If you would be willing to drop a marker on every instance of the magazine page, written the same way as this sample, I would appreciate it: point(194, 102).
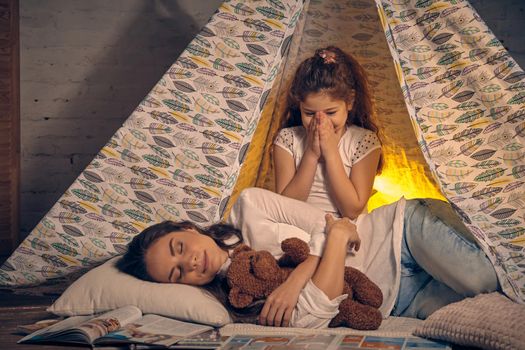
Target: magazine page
point(330, 342)
point(33, 327)
point(56, 329)
point(381, 342)
point(109, 322)
point(296, 342)
point(209, 340)
point(154, 329)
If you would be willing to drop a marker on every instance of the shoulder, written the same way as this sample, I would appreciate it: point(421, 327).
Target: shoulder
point(293, 131)
point(288, 137)
point(358, 135)
point(354, 130)
point(360, 142)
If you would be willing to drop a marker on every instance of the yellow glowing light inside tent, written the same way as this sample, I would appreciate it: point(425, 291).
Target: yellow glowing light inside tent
point(402, 178)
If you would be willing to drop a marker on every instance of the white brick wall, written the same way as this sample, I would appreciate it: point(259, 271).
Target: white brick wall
point(85, 65)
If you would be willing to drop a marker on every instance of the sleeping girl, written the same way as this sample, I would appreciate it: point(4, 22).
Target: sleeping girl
point(418, 261)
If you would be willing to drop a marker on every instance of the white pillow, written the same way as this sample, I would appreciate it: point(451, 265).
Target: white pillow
point(106, 288)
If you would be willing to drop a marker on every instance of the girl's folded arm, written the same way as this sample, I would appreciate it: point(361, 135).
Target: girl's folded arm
point(292, 182)
point(351, 194)
point(258, 202)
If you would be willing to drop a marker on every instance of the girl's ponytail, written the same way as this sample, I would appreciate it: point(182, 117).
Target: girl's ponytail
point(362, 110)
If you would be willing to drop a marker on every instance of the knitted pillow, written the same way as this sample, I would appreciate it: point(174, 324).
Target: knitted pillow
point(487, 321)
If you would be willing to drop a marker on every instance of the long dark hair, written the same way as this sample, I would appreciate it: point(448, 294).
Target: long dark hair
point(133, 261)
point(340, 75)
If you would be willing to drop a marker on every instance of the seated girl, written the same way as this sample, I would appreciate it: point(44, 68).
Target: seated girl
point(329, 152)
point(419, 262)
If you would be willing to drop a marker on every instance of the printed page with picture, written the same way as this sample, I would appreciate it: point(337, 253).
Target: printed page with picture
point(330, 342)
point(154, 329)
point(85, 329)
point(209, 340)
point(123, 325)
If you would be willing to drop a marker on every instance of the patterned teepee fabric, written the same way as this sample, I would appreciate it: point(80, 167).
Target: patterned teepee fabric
point(177, 156)
point(466, 97)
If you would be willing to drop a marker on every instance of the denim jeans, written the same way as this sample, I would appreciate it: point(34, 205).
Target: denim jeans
point(438, 265)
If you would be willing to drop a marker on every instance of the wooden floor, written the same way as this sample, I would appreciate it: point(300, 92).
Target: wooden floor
point(18, 310)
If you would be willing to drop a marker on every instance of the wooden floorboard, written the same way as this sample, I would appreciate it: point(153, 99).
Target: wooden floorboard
point(11, 318)
point(16, 310)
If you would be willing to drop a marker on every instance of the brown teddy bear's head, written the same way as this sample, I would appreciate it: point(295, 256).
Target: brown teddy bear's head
point(252, 275)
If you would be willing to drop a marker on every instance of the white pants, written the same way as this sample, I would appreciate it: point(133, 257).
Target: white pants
point(314, 309)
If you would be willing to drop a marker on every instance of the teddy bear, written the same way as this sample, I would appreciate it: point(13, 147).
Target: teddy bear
point(254, 275)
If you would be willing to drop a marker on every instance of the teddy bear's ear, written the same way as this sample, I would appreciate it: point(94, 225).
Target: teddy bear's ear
point(295, 252)
point(240, 248)
point(239, 299)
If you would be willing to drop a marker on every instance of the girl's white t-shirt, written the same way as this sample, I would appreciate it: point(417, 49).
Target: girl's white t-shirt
point(355, 144)
point(266, 219)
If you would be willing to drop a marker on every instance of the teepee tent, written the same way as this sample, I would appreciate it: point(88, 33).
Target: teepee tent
point(448, 96)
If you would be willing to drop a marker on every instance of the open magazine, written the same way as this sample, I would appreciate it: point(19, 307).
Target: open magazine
point(123, 325)
point(329, 342)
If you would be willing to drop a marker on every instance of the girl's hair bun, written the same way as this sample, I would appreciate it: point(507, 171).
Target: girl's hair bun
point(328, 56)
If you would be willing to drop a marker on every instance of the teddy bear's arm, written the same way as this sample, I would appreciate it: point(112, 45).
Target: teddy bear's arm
point(364, 290)
point(357, 316)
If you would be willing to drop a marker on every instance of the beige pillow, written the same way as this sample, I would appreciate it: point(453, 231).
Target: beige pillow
point(106, 288)
point(487, 321)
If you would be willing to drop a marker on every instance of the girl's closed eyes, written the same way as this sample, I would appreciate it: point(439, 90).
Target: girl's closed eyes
point(176, 272)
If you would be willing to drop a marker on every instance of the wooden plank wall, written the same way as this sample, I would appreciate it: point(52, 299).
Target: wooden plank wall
point(9, 126)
